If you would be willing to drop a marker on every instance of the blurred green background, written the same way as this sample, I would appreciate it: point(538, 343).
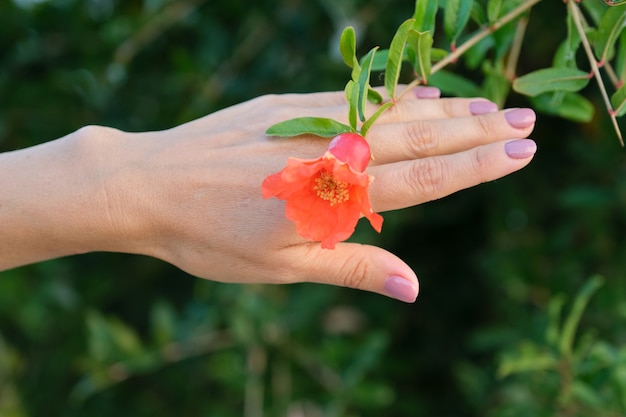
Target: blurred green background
point(110, 334)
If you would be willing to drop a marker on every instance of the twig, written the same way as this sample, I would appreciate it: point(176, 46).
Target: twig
point(473, 40)
point(516, 49)
point(594, 66)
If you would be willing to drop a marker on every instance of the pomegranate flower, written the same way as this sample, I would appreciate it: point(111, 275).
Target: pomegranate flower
point(327, 195)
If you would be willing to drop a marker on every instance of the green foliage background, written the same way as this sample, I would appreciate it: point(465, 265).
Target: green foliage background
point(110, 334)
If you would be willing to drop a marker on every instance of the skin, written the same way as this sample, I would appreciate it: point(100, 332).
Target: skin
point(191, 195)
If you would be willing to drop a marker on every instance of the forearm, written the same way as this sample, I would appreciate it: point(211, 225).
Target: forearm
point(53, 199)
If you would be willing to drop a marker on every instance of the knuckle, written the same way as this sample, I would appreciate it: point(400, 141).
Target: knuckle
point(450, 107)
point(428, 177)
point(480, 163)
point(423, 138)
point(485, 125)
point(355, 272)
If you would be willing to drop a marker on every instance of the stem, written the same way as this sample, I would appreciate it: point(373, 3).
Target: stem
point(594, 66)
point(473, 40)
point(612, 75)
point(606, 65)
point(516, 49)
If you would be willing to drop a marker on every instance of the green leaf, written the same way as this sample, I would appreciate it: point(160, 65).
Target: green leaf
point(454, 84)
point(555, 308)
point(573, 319)
point(319, 126)
point(369, 122)
point(380, 60)
point(455, 17)
point(496, 86)
point(477, 54)
point(529, 358)
point(396, 55)
point(478, 14)
point(352, 95)
point(565, 55)
point(347, 46)
point(437, 54)
point(620, 60)
point(494, 10)
point(618, 100)
point(425, 14)
point(571, 106)
point(364, 82)
point(374, 96)
point(551, 79)
point(420, 44)
point(595, 9)
point(503, 39)
point(609, 29)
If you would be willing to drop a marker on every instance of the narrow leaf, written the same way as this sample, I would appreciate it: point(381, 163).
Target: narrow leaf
point(420, 43)
point(551, 79)
point(380, 60)
point(478, 14)
point(494, 10)
point(369, 122)
point(347, 46)
point(425, 14)
point(565, 55)
point(571, 106)
point(595, 9)
point(437, 54)
point(364, 82)
point(352, 95)
point(620, 60)
point(618, 100)
point(609, 29)
point(374, 96)
point(496, 86)
point(573, 319)
point(555, 309)
point(455, 17)
point(454, 84)
point(396, 55)
point(318, 126)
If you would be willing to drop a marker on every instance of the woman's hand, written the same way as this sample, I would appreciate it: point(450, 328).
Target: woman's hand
point(191, 195)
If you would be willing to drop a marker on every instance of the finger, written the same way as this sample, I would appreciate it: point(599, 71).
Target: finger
point(422, 138)
point(357, 266)
point(409, 183)
point(420, 103)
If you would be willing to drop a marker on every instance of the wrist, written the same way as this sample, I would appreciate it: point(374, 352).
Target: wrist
point(58, 201)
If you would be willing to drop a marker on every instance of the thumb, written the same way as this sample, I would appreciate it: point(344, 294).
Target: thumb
point(358, 266)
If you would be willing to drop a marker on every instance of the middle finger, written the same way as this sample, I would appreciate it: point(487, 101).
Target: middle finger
point(394, 142)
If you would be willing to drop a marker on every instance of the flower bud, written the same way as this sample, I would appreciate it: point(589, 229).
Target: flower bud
point(351, 148)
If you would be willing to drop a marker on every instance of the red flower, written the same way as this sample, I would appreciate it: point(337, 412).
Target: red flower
point(327, 195)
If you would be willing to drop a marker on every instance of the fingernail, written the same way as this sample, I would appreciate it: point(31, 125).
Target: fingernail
point(520, 118)
point(482, 107)
point(521, 148)
point(427, 92)
point(400, 289)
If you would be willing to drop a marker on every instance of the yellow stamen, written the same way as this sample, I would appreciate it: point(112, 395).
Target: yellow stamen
point(331, 190)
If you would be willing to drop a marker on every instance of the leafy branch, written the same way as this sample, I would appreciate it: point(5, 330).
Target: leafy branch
point(553, 90)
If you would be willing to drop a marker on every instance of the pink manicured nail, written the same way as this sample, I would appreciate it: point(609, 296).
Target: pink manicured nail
point(427, 92)
point(482, 107)
point(400, 289)
point(520, 118)
point(521, 148)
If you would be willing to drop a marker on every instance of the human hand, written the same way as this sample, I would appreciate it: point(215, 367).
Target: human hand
point(191, 195)
point(196, 188)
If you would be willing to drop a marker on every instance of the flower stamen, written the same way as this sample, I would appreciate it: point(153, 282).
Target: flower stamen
point(331, 190)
